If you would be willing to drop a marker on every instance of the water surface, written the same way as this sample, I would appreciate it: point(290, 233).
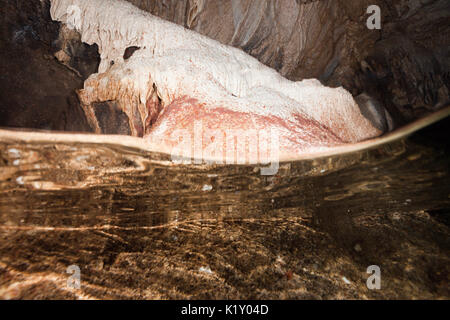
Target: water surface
point(140, 227)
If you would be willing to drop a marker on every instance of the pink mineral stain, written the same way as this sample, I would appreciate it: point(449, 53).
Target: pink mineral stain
point(295, 135)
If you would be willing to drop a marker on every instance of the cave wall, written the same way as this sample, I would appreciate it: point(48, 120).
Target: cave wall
point(38, 91)
point(405, 65)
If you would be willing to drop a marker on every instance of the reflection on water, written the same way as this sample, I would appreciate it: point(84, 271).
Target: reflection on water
point(139, 227)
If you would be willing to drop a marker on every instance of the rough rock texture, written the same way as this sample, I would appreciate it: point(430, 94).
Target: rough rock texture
point(36, 90)
point(224, 87)
point(405, 64)
point(139, 228)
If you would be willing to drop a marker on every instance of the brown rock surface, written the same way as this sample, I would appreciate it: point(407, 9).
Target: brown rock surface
point(139, 228)
point(405, 65)
point(37, 90)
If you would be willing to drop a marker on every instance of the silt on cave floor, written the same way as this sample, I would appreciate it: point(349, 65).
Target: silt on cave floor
point(139, 229)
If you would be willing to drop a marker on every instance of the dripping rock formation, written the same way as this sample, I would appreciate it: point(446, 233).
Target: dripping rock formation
point(178, 78)
point(140, 227)
point(405, 65)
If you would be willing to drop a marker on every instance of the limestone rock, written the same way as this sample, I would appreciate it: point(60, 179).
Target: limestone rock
point(224, 87)
point(405, 65)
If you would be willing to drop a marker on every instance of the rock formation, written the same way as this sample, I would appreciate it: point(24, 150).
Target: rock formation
point(140, 227)
point(37, 90)
point(404, 65)
point(218, 85)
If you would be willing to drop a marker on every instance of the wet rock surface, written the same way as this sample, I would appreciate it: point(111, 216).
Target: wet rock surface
point(139, 227)
point(41, 69)
point(404, 65)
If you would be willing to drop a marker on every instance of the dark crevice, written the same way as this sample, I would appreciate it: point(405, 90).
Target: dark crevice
point(154, 107)
point(39, 91)
point(129, 52)
point(111, 119)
